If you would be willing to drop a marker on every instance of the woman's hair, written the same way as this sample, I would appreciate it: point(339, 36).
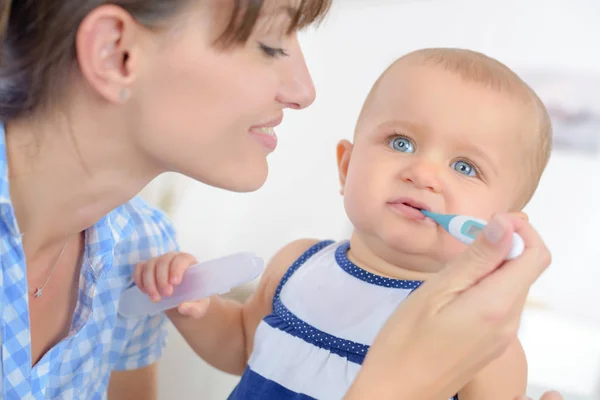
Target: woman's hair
point(37, 39)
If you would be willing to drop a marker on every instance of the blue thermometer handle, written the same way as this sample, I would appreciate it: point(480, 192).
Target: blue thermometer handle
point(466, 229)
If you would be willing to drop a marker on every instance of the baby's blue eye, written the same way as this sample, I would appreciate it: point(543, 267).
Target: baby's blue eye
point(464, 168)
point(402, 144)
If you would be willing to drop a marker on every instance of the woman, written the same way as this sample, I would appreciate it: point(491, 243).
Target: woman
point(97, 98)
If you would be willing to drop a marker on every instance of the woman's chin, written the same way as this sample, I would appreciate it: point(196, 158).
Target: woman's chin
point(243, 181)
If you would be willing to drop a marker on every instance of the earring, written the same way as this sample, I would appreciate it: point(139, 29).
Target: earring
point(124, 95)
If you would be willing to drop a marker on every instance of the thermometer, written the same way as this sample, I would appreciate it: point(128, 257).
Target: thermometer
point(466, 229)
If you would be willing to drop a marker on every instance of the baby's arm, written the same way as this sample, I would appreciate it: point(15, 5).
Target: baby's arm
point(505, 378)
point(220, 331)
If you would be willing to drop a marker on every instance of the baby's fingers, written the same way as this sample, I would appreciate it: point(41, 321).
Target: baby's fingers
point(137, 275)
point(163, 267)
point(178, 266)
point(149, 276)
point(149, 280)
point(196, 309)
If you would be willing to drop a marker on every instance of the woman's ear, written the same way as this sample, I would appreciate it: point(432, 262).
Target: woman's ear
point(107, 51)
point(344, 151)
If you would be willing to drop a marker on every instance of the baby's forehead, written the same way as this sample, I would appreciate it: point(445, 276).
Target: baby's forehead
point(405, 78)
point(440, 100)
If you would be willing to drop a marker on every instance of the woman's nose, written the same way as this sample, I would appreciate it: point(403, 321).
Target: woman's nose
point(297, 90)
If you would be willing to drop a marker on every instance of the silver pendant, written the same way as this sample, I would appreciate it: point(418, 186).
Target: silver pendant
point(38, 293)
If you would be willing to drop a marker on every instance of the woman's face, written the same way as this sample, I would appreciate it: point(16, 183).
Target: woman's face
point(209, 113)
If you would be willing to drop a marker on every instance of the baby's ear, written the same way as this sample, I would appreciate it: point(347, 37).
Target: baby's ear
point(344, 151)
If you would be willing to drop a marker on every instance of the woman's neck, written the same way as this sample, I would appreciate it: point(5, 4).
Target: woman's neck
point(66, 177)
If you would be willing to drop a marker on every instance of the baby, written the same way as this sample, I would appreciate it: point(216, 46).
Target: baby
point(447, 130)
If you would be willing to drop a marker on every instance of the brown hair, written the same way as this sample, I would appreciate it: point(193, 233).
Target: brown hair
point(37, 39)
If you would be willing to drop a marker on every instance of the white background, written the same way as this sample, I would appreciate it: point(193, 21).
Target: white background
point(346, 54)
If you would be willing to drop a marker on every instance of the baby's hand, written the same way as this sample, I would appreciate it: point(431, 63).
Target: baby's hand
point(159, 275)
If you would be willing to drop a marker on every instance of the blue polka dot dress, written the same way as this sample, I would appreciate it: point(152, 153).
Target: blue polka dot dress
point(326, 313)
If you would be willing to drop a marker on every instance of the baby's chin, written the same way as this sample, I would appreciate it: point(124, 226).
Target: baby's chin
point(414, 251)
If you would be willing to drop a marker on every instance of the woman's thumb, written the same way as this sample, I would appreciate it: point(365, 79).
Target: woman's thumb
point(486, 253)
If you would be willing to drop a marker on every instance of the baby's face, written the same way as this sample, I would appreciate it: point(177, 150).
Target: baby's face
point(431, 140)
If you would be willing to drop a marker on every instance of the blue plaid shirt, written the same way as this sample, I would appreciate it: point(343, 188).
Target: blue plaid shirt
point(99, 340)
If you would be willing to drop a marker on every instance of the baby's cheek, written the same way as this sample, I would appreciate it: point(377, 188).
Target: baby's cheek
point(357, 204)
point(480, 205)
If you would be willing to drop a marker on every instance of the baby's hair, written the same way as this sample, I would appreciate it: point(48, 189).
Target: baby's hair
point(472, 66)
point(37, 39)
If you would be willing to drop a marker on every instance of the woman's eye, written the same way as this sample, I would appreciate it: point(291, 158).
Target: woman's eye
point(402, 144)
point(464, 168)
point(273, 52)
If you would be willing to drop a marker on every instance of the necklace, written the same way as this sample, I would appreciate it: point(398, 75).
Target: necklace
point(37, 293)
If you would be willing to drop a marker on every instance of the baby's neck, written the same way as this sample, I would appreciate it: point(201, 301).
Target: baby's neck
point(379, 259)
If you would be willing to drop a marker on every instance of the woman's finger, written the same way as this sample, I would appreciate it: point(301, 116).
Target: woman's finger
point(486, 253)
point(552, 396)
point(516, 276)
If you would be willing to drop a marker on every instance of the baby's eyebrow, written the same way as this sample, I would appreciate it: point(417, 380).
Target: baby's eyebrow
point(412, 127)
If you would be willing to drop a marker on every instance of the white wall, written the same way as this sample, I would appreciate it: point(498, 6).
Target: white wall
point(300, 199)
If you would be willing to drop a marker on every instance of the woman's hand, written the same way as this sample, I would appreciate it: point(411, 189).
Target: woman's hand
point(546, 396)
point(457, 322)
